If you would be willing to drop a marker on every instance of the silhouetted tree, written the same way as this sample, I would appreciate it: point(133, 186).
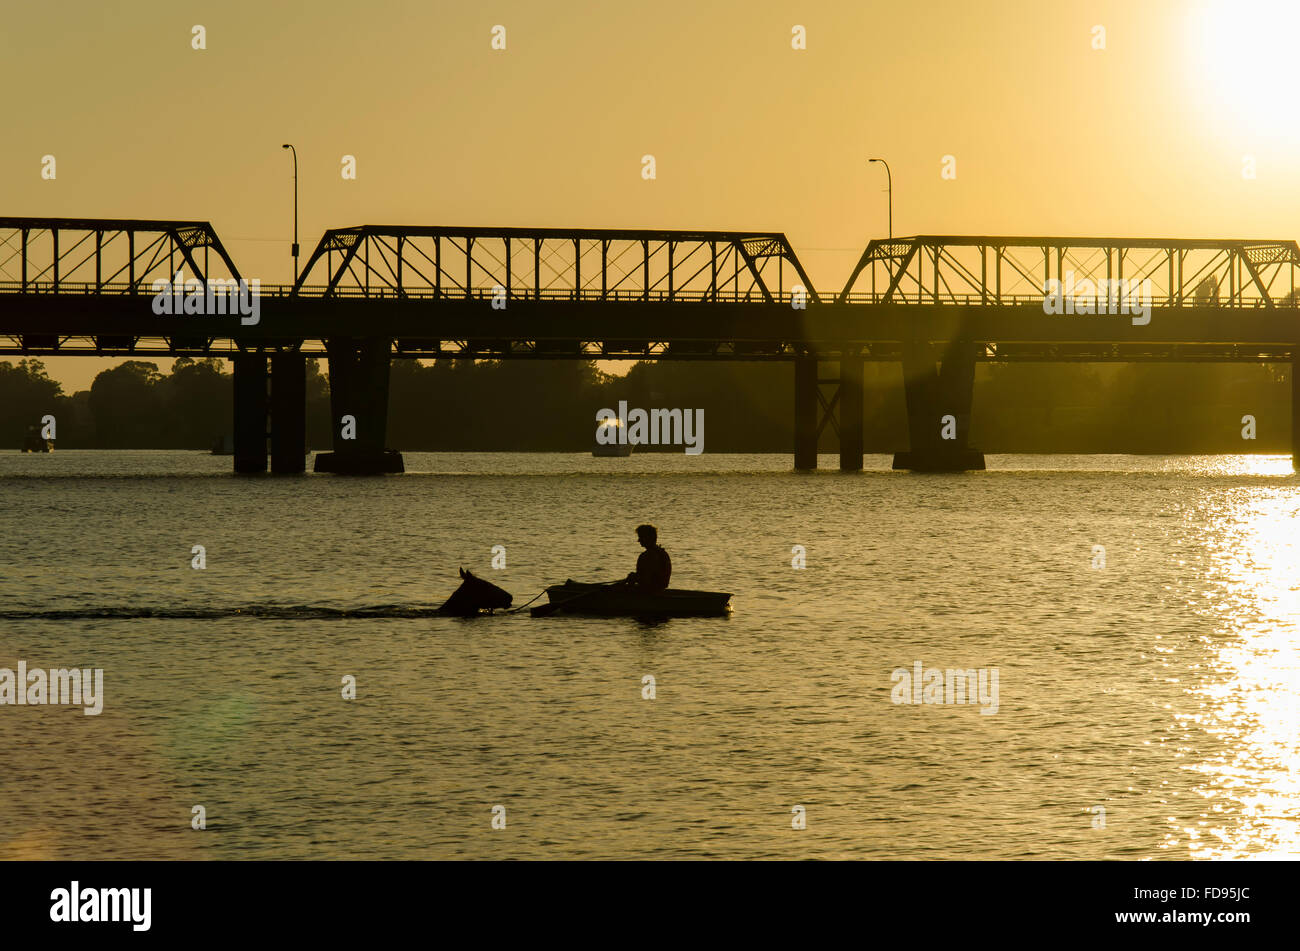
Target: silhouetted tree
point(551, 405)
point(127, 406)
point(26, 394)
point(319, 428)
point(198, 396)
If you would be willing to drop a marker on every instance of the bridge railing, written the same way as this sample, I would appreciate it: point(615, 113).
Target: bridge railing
point(486, 294)
point(654, 296)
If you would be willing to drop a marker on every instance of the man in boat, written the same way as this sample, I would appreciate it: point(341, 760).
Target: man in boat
point(653, 566)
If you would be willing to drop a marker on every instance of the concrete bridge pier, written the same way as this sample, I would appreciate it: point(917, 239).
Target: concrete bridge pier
point(805, 412)
point(850, 403)
point(250, 412)
point(939, 401)
point(1295, 409)
point(843, 412)
point(359, 406)
point(288, 413)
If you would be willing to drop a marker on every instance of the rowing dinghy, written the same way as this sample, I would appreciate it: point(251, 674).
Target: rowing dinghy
point(604, 600)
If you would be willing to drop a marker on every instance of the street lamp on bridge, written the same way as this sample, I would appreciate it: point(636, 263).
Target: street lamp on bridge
point(890, 179)
point(295, 209)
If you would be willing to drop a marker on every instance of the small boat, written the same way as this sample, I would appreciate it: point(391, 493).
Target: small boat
point(32, 442)
point(608, 434)
point(606, 600)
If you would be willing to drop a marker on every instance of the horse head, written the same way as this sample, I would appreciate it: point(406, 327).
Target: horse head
point(474, 595)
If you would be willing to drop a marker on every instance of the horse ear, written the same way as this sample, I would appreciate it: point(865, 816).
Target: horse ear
point(462, 572)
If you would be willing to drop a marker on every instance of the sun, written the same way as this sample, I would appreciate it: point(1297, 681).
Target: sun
point(1246, 65)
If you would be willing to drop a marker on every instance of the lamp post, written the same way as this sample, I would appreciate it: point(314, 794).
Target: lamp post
point(295, 209)
point(890, 179)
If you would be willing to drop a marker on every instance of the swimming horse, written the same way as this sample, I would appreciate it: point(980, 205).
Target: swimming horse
point(473, 596)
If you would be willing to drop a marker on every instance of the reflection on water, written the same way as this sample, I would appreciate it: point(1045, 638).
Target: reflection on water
point(1161, 688)
point(1249, 700)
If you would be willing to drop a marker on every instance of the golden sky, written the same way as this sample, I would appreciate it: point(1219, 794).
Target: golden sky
point(1146, 137)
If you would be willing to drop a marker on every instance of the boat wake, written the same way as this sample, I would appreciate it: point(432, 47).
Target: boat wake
point(276, 612)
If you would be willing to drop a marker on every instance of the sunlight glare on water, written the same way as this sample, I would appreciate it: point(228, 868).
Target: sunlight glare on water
point(1251, 691)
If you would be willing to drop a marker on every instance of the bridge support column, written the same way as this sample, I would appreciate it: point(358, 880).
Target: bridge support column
point(939, 409)
point(1295, 409)
point(288, 413)
point(359, 404)
point(805, 412)
point(250, 412)
point(851, 413)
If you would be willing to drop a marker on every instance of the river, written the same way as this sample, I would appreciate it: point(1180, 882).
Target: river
point(1147, 699)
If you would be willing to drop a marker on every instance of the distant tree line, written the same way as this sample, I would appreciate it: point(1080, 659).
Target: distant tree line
point(135, 405)
point(551, 405)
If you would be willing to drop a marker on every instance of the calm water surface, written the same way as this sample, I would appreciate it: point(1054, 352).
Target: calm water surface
point(1164, 687)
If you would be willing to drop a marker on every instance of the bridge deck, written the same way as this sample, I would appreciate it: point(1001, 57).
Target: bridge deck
point(553, 328)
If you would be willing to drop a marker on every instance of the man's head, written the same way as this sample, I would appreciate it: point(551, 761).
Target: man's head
point(647, 535)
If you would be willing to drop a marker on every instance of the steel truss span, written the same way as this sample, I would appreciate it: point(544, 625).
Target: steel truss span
point(555, 264)
point(946, 269)
point(107, 255)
